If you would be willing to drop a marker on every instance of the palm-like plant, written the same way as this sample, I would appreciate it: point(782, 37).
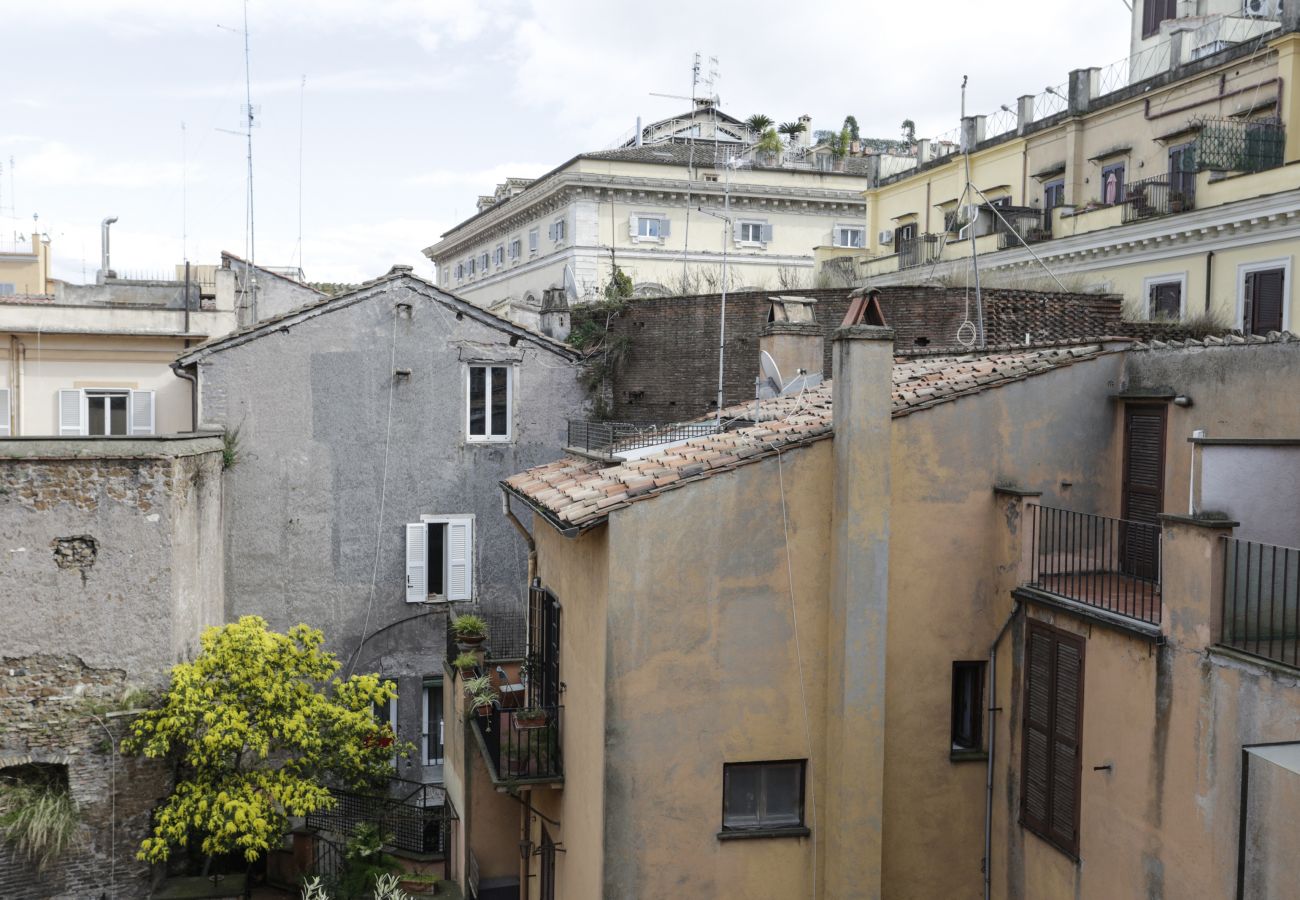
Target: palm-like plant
point(770, 142)
point(759, 123)
point(791, 129)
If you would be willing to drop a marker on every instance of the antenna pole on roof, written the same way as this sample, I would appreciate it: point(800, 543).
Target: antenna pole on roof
point(966, 134)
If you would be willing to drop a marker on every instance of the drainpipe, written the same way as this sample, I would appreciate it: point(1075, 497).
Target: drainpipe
point(988, 783)
point(1209, 271)
point(528, 538)
point(193, 378)
point(103, 230)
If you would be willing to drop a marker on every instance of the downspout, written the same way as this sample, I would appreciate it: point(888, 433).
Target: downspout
point(193, 379)
point(528, 538)
point(1209, 271)
point(988, 782)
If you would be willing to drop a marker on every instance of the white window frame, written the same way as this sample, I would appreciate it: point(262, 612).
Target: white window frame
point(1179, 278)
point(141, 411)
point(649, 228)
point(561, 227)
point(488, 437)
point(1244, 269)
point(862, 236)
point(432, 684)
point(516, 249)
point(534, 240)
point(484, 261)
point(742, 241)
point(417, 582)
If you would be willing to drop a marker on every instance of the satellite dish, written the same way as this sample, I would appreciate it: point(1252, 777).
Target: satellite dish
point(770, 383)
point(570, 284)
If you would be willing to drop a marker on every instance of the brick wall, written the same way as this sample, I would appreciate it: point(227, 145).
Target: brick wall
point(56, 710)
point(670, 367)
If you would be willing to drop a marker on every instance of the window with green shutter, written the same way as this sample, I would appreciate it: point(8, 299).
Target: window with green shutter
point(1053, 729)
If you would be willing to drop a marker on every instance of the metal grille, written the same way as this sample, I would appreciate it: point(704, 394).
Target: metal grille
point(414, 817)
point(1261, 600)
point(523, 743)
point(922, 250)
point(1110, 564)
point(1233, 145)
point(608, 438)
point(1158, 196)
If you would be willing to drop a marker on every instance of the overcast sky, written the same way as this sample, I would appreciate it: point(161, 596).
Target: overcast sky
point(412, 108)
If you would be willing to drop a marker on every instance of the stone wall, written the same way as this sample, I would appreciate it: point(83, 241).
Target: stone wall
point(670, 368)
point(56, 711)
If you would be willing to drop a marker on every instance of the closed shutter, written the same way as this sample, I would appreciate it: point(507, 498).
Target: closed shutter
point(72, 413)
point(550, 232)
point(4, 412)
point(460, 558)
point(665, 228)
point(735, 231)
point(1144, 479)
point(417, 574)
point(767, 233)
point(1050, 777)
point(1265, 293)
point(631, 225)
point(142, 417)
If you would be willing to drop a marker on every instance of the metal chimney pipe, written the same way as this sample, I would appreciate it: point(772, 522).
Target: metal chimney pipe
point(638, 131)
point(105, 271)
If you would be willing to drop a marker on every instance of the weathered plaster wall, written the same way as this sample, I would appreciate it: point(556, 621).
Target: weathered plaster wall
point(1255, 484)
point(704, 668)
point(950, 573)
point(576, 570)
point(319, 454)
point(1272, 866)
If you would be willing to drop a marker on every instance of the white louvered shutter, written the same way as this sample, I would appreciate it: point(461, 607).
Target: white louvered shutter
point(4, 412)
point(460, 559)
point(142, 412)
point(767, 233)
point(631, 226)
point(72, 413)
point(735, 231)
point(550, 232)
point(417, 574)
point(664, 227)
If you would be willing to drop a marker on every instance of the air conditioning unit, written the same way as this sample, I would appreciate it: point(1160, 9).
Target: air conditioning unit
point(885, 237)
point(1261, 9)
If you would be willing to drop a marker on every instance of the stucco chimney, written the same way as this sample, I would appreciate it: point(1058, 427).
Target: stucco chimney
point(554, 318)
point(792, 337)
point(857, 609)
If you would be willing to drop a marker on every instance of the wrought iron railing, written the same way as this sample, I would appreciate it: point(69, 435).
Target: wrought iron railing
point(608, 438)
point(922, 250)
point(523, 743)
point(1110, 564)
point(1261, 600)
point(1022, 226)
point(412, 816)
point(1159, 196)
point(1234, 145)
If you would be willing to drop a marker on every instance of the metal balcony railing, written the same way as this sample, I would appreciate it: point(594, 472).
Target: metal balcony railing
point(1261, 600)
point(1235, 145)
point(523, 743)
point(922, 250)
point(1110, 564)
point(1023, 225)
point(413, 816)
point(507, 637)
point(1159, 196)
point(609, 438)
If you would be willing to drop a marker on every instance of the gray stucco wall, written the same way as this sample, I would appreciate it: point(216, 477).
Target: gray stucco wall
point(1257, 485)
point(311, 401)
point(276, 295)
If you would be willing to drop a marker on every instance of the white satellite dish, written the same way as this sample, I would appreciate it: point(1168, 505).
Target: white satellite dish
point(771, 384)
point(570, 284)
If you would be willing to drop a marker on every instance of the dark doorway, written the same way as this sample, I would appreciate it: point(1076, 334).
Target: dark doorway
point(1143, 488)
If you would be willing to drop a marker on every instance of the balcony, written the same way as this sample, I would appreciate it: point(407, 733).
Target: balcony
point(1162, 195)
point(1111, 565)
point(522, 744)
point(1261, 600)
point(1022, 225)
point(414, 817)
point(922, 250)
point(611, 440)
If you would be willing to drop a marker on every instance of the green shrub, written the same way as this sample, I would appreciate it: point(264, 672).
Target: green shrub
point(38, 816)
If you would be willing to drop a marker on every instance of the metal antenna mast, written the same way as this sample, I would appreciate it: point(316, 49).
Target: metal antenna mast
point(185, 210)
point(302, 90)
point(250, 112)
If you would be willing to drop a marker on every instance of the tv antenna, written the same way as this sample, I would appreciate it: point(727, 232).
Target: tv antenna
point(302, 91)
point(249, 113)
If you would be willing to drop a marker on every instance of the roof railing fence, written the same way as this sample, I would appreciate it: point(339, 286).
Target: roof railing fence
point(1260, 613)
point(1004, 121)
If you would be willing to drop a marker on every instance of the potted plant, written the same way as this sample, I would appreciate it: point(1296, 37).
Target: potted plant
point(419, 882)
point(466, 663)
point(470, 630)
point(531, 717)
point(480, 693)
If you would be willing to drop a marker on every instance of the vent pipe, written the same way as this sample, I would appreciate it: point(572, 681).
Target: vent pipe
point(105, 271)
point(638, 131)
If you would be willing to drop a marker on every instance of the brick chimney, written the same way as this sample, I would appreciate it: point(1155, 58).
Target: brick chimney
point(792, 337)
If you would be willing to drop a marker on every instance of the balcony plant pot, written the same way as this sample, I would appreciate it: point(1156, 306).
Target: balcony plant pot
point(529, 719)
point(469, 630)
point(419, 884)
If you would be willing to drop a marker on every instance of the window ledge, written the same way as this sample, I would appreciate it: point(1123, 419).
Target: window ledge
point(796, 831)
point(960, 756)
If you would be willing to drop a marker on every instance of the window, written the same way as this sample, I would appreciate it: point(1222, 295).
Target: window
point(440, 559)
point(904, 235)
point(499, 255)
point(4, 412)
point(763, 797)
point(106, 412)
point(1112, 183)
point(469, 267)
point(516, 249)
point(753, 232)
point(557, 230)
point(532, 240)
point(1154, 12)
point(7, 288)
point(431, 737)
point(1182, 176)
point(967, 706)
point(387, 712)
point(850, 236)
point(1263, 298)
point(1049, 788)
point(646, 227)
point(1054, 194)
point(489, 392)
point(460, 271)
point(709, 177)
point(483, 261)
point(1164, 297)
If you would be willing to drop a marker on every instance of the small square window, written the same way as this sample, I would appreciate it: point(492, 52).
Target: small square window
point(967, 706)
point(753, 232)
point(849, 236)
point(763, 797)
point(1165, 300)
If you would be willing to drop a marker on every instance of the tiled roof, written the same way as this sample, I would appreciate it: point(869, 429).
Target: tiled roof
point(575, 493)
point(680, 153)
point(1225, 340)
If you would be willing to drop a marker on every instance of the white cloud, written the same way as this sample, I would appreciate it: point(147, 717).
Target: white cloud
point(481, 180)
point(55, 164)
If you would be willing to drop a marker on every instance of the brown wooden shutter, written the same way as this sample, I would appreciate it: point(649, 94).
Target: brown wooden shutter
point(1050, 777)
point(1143, 488)
point(1266, 301)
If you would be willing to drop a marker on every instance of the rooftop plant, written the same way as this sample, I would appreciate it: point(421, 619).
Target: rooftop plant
point(469, 626)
